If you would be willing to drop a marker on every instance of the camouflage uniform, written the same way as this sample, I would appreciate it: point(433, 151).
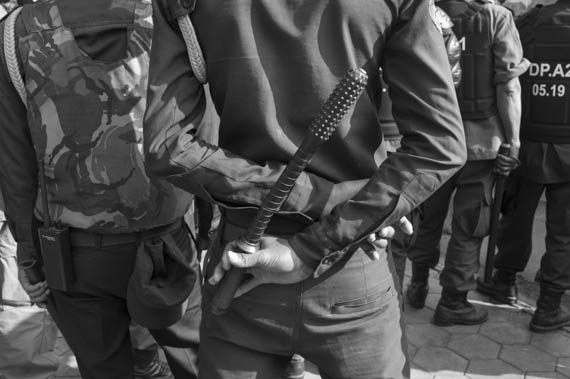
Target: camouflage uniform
point(85, 103)
point(271, 64)
point(491, 56)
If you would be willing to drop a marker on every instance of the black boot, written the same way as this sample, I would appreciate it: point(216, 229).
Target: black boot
point(502, 287)
point(148, 365)
point(454, 309)
point(296, 368)
point(417, 290)
point(549, 314)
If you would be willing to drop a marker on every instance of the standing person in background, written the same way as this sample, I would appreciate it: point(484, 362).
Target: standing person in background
point(30, 331)
point(545, 167)
point(401, 242)
point(270, 67)
point(489, 99)
point(77, 115)
point(28, 334)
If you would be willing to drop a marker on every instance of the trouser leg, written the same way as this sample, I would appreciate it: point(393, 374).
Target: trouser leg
point(355, 330)
point(555, 263)
point(226, 360)
point(425, 249)
point(514, 240)
point(93, 316)
point(348, 322)
point(401, 242)
point(180, 341)
point(470, 224)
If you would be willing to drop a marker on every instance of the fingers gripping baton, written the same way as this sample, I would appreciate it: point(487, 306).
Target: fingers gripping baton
point(495, 213)
point(343, 97)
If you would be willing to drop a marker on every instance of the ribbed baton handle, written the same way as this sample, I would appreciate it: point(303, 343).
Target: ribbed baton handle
point(343, 97)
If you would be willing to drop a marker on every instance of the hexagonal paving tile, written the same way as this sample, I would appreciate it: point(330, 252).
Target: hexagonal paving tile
point(433, 283)
point(522, 317)
point(499, 312)
point(557, 344)
point(426, 335)
point(487, 368)
point(440, 361)
point(418, 316)
point(418, 373)
point(528, 358)
point(432, 300)
point(463, 329)
point(506, 332)
point(474, 346)
point(544, 375)
point(563, 366)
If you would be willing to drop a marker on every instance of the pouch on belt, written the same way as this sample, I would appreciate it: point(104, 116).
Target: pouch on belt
point(160, 284)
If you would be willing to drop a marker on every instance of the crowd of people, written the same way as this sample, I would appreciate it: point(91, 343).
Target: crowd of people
point(162, 189)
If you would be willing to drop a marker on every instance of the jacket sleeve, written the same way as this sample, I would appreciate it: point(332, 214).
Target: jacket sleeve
point(173, 150)
point(433, 145)
point(507, 47)
point(18, 170)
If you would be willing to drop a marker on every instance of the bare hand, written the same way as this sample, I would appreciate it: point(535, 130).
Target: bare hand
point(38, 292)
point(505, 164)
point(274, 262)
point(381, 238)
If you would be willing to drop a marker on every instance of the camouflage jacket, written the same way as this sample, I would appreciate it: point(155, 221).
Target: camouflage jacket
point(85, 120)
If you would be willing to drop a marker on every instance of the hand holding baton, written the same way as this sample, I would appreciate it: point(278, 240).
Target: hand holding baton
point(343, 97)
point(495, 213)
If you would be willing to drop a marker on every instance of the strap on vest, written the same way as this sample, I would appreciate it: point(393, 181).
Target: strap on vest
point(11, 57)
point(197, 61)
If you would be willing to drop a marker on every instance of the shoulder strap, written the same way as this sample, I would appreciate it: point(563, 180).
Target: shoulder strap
point(195, 54)
point(10, 54)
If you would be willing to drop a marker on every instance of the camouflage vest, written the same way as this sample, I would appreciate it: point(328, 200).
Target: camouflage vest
point(476, 93)
point(85, 118)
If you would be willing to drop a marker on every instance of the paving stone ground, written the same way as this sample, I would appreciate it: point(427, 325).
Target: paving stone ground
point(502, 348)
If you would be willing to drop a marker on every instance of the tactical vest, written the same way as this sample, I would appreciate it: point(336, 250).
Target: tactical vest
point(476, 92)
point(453, 49)
point(85, 118)
point(546, 84)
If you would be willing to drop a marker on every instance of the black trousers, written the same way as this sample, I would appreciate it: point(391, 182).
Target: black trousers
point(515, 232)
point(94, 320)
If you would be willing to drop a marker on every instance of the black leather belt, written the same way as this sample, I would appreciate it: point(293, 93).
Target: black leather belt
point(85, 238)
point(280, 225)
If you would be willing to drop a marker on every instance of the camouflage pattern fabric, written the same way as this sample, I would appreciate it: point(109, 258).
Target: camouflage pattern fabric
point(85, 118)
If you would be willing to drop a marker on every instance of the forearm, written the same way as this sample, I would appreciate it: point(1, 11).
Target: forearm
point(18, 178)
point(18, 171)
point(509, 107)
point(175, 152)
point(433, 143)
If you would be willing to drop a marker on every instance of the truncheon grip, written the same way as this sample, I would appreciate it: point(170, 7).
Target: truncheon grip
point(343, 97)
